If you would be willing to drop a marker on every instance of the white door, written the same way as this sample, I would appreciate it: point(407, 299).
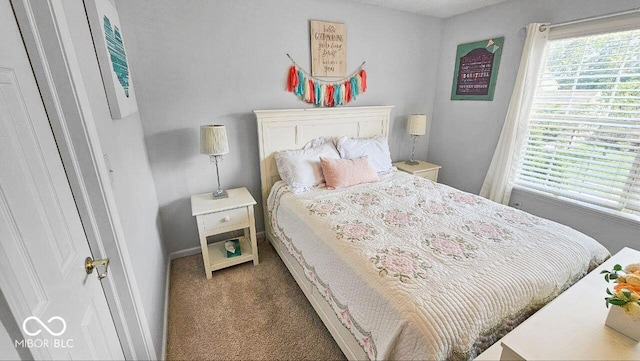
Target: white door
point(61, 311)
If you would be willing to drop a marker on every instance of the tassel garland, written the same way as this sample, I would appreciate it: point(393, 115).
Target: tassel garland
point(293, 79)
point(326, 93)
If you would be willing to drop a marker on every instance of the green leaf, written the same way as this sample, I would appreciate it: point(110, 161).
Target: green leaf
point(606, 277)
point(613, 276)
point(617, 302)
point(617, 267)
point(609, 292)
point(626, 293)
point(605, 271)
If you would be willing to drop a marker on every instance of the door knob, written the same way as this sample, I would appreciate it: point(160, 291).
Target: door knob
point(90, 264)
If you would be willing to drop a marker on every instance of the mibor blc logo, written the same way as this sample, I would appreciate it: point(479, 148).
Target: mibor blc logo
point(33, 326)
point(42, 325)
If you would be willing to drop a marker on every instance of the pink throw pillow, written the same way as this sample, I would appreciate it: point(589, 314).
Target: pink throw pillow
point(341, 173)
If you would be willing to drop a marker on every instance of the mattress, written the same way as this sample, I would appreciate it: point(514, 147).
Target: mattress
point(419, 270)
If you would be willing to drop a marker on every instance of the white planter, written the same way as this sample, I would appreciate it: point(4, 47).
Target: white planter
point(621, 322)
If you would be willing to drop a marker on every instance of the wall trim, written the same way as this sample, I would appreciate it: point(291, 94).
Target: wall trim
point(576, 205)
point(165, 322)
point(184, 253)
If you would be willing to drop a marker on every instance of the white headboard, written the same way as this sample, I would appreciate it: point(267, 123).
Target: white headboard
point(293, 128)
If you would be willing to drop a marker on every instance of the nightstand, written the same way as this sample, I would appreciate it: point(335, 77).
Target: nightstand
point(221, 216)
point(422, 169)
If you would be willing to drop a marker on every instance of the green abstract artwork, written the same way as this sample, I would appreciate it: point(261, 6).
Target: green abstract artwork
point(116, 51)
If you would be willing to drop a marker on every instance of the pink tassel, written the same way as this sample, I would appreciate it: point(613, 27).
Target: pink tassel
point(329, 95)
point(347, 91)
point(363, 75)
point(292, 80)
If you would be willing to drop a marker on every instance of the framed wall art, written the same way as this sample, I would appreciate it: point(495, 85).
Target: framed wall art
point(328, 48)
point(476, 70)
point(112, 57)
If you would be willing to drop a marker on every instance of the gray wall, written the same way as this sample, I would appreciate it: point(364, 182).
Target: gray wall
point(216, 61)
point(133, 185)
point(612, 231)
point(465, 133)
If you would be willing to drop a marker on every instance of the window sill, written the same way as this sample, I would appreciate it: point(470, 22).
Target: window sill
point(616, 216)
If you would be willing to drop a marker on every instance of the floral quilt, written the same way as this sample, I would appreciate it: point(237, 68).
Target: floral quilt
point(420, 270)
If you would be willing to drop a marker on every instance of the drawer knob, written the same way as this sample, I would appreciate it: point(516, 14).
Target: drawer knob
point(226, 219)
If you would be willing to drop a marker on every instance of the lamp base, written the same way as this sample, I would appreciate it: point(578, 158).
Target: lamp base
point(220, 195)
point(411, 162)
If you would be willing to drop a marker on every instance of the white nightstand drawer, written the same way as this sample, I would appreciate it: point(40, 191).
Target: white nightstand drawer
point(225, 219)
point(430, 174)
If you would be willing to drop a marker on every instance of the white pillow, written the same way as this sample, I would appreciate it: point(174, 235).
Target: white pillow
point(301, 169)
point(376, 148)
point(317, 142)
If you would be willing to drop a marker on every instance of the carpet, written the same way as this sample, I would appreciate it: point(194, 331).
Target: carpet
point(244, 312)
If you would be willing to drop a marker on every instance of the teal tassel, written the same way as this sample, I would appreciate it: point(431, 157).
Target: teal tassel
point(336, 94)
point(316, 89)
point(354, 88)
point(300, 88)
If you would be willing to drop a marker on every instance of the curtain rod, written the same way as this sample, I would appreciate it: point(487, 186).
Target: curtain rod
point(544, 27)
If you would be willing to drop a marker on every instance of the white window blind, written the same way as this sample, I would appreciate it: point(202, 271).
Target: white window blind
point(583, 138)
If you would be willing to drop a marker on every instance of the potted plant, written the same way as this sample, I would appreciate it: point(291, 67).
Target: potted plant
point(624, 316)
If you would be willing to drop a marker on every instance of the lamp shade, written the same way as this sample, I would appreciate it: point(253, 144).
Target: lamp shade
point(417, 124)
point(213, 140)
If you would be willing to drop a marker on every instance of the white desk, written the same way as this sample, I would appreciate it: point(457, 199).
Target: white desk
point(571, 327)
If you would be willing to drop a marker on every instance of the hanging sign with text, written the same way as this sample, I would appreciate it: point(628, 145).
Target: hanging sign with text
point(476, 70)
point(328, 48)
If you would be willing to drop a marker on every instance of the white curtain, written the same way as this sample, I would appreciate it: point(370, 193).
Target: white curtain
point(498, 183)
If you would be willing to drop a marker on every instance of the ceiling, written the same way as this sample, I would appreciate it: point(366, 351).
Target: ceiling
point(437, 8)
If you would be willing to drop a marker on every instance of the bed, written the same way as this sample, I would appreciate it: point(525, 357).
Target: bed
point(405, 268)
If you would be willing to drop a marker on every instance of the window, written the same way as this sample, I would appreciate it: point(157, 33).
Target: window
point(583, 137)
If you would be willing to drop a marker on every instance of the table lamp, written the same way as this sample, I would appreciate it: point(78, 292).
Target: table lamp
point(416, 126)
point(213, 142)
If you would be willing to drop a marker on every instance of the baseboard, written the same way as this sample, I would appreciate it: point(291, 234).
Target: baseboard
point(165, 326)
point(184, 253)
point(175, 255)
point(165, 322)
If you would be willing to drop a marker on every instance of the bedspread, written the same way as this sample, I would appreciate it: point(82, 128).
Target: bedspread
point(420, 270)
